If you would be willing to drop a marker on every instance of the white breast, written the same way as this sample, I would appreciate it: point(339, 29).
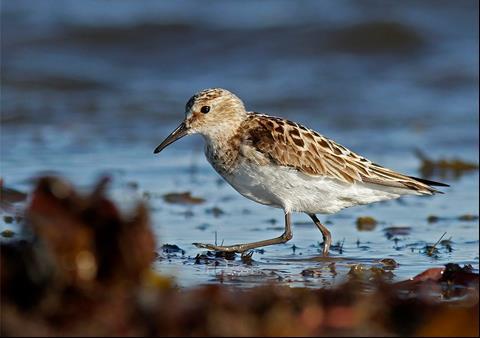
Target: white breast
point(291, 190)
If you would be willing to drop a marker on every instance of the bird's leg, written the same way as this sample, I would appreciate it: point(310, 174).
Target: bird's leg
point(327, 237)
point(286, 236)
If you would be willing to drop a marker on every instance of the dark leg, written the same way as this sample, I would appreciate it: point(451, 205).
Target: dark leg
point(327, 238)
point(285, 237)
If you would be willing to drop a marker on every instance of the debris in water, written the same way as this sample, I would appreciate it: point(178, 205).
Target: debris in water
point(172, 248)
point(132, 185)
point(313, 272)
point(432, 250)
point(394, 231)
point(215, 211)
point(366, 223)
point(389, 263)
point(273, 221)
point(246, 257)
point(203, 226)
point(451, 276)
point(468, 218)
point(337, 247)
point(229, 256)
point(7, 233)
point(447, 244)
point(363, 272)
point(443, 167)
point(182, 198)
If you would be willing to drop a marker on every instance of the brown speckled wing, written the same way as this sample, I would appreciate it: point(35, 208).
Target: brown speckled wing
point(286, 143)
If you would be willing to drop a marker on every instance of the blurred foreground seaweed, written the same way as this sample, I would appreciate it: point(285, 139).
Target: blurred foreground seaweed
point(84, 269)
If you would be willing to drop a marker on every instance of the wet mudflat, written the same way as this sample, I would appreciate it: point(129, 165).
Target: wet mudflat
point(82, 97)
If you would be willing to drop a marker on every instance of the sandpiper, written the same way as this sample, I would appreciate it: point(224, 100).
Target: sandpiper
point(283, 164)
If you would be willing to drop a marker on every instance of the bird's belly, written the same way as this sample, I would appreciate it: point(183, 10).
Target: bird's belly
point(291, 190)
point(255, 183)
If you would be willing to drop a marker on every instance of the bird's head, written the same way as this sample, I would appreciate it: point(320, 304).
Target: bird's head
point(213, 113)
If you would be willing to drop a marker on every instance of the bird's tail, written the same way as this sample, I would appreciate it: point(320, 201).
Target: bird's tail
point(430, 183)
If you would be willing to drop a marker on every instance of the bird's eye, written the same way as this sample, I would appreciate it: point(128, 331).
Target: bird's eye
point(205, 109)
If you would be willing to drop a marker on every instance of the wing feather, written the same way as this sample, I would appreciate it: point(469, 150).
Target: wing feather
point(289, 144)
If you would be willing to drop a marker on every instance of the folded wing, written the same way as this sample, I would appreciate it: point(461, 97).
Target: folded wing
point(286, 143)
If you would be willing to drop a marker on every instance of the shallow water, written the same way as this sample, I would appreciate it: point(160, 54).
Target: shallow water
point(92, 89)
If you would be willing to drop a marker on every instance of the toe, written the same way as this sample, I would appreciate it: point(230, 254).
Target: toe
point(205, 246)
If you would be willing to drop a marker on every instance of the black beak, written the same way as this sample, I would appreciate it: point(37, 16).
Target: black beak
point(177, 134)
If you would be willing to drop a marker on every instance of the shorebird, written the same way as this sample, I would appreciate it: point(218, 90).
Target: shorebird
point(282, 164)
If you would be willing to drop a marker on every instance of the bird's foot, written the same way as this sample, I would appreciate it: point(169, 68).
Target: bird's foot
point(229, 248)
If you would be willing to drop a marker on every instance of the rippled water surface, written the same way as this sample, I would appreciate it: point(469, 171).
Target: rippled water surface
point(91, 88)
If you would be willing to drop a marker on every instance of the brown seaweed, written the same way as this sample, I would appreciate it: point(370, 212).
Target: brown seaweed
point(182, 198)
point(444, 168)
